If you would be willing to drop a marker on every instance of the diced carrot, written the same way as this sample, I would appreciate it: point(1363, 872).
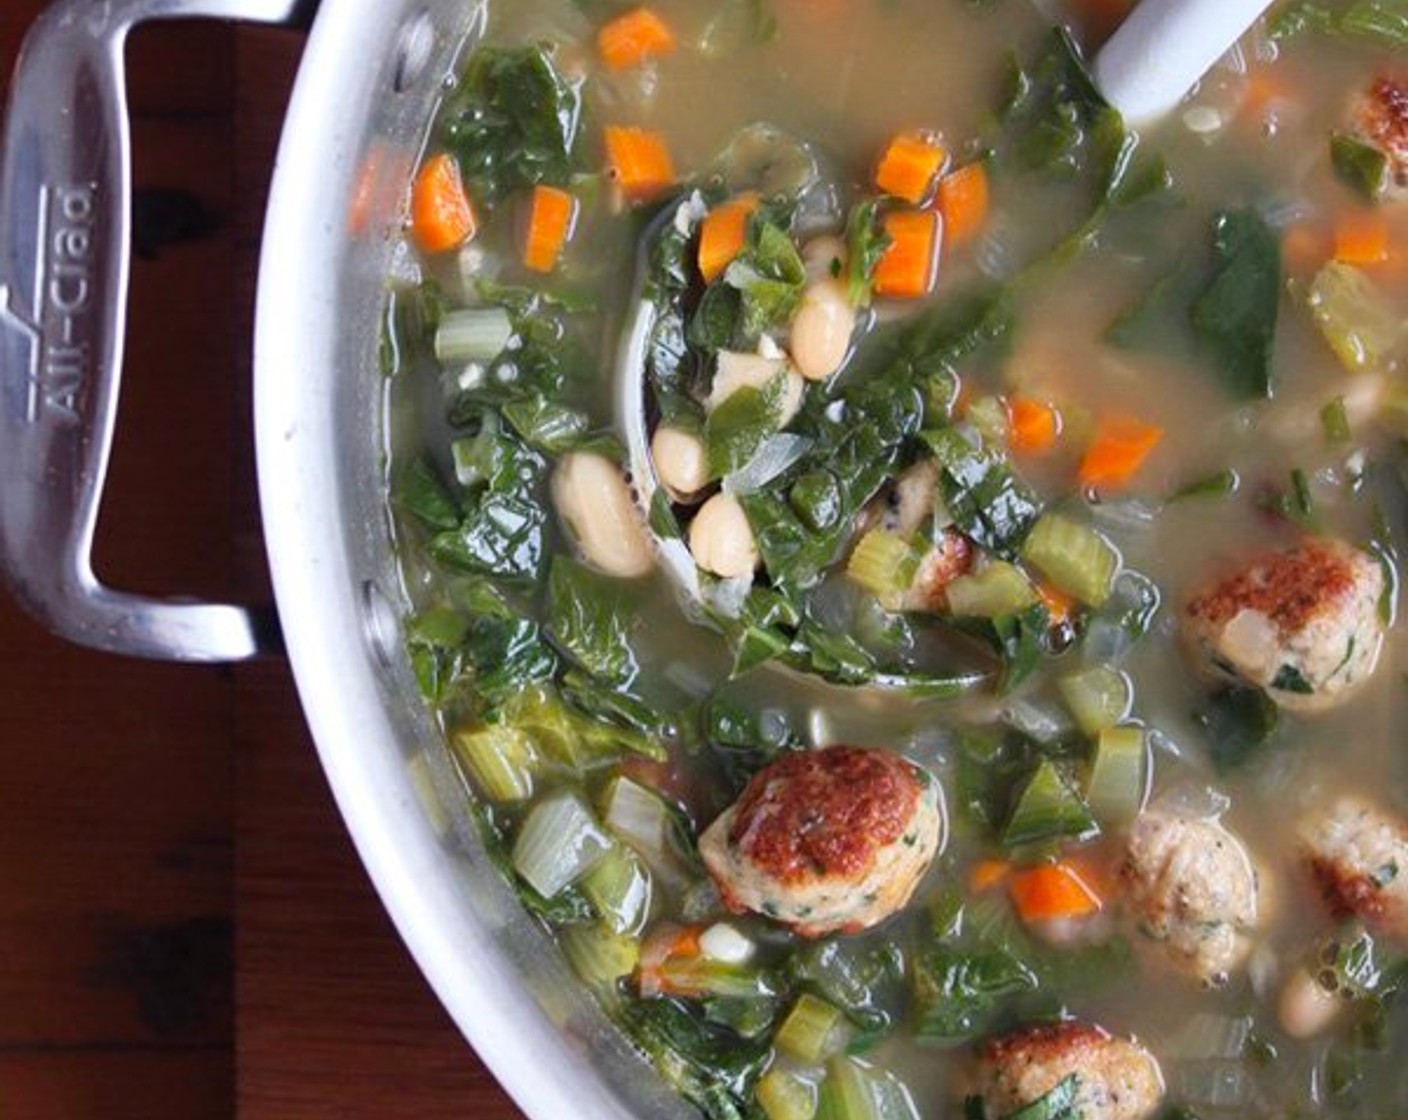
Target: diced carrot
point(1120, 446)
point(665, 943)
point(1052, 891)
point(1264, 89)
point(963, 201)
point(639, 160)
point(722, 233)
point(1059, 606)
point(909, 166)
point(1361, 237)
point(441, 215)
point(1032, 425)
point(1304, 247)
point(633, 38)
point(551, 216)
point(909, 267)
point(987, 873)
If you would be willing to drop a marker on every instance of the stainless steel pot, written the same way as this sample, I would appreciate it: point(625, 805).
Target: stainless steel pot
point(367, 87)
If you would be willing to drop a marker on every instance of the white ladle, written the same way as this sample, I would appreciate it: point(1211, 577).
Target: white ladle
point(1163, 49)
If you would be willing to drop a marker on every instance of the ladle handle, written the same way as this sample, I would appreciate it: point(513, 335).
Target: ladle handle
point(65, 203)
point(1163, 49)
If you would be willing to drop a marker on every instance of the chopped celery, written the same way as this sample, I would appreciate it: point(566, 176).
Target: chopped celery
point(476, 334)
point(642, 819)
point(883, 563)
point(702, 976)
point(1077, 560)
point(1118, 776)
point(1357, 322)
point(989, 416)
point(1099, 697)
point(599, 957)
point(558, 843)
point(813, 1031)
point(854, 1090)
point(785, 1096)
point(1048, 808)
point(618, 888)
point(998, 591)
point(499, 760)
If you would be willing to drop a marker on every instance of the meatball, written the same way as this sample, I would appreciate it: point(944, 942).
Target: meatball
point(1379, 117)
point(1358, 854)
point(1304, 624)
point(1191, 885)
point(1115, 1078)
point(826, 840)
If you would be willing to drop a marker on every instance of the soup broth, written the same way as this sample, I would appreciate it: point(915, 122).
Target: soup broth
point(1061, 460)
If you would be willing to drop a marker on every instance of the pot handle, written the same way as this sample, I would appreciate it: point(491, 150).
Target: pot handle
point(65, 204)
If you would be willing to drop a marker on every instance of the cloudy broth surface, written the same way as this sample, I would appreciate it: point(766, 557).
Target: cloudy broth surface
point(1092, 515)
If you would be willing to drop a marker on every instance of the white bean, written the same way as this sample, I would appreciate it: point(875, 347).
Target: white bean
point(681, 462)
point(736, 371)
point(721, 540)
point(595, 504)
point(821, 330)
point(1306, 1008)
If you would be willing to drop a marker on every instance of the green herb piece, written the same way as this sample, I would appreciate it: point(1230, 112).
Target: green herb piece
point(1076, 559)
point(1048, 808)
point(1236, 315)
point(420, 492)
point(1361, 167)
point(737, 428)
point(1334, 421)
point(983, 495)
point(963, 974)
point(1296, 504)
point(1058, 1104)
point(1238, 723)
point(709, 1065)
point(512, 122)
point(1220, 485)
point(592, 618)
point(501, 536)
point(866, 242)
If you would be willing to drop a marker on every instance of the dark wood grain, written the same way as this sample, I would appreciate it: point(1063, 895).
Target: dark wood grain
point(185, 930)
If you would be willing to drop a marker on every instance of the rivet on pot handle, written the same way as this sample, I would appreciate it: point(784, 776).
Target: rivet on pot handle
point(65, 201)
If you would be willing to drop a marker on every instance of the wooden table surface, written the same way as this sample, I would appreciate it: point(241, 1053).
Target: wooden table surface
point(185, 930)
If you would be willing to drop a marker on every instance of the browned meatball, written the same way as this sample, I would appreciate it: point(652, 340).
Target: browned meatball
point(1114, 1078)
point(826, 840)
point(1303, 624)
point(1379, 117)
point(1358, 854)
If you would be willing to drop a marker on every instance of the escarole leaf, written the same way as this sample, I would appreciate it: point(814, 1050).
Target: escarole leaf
point(591, 617)
point(1380, 21)
point(738, 427)
point(1236, 315)
point(983, 495)
point(512, 122)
